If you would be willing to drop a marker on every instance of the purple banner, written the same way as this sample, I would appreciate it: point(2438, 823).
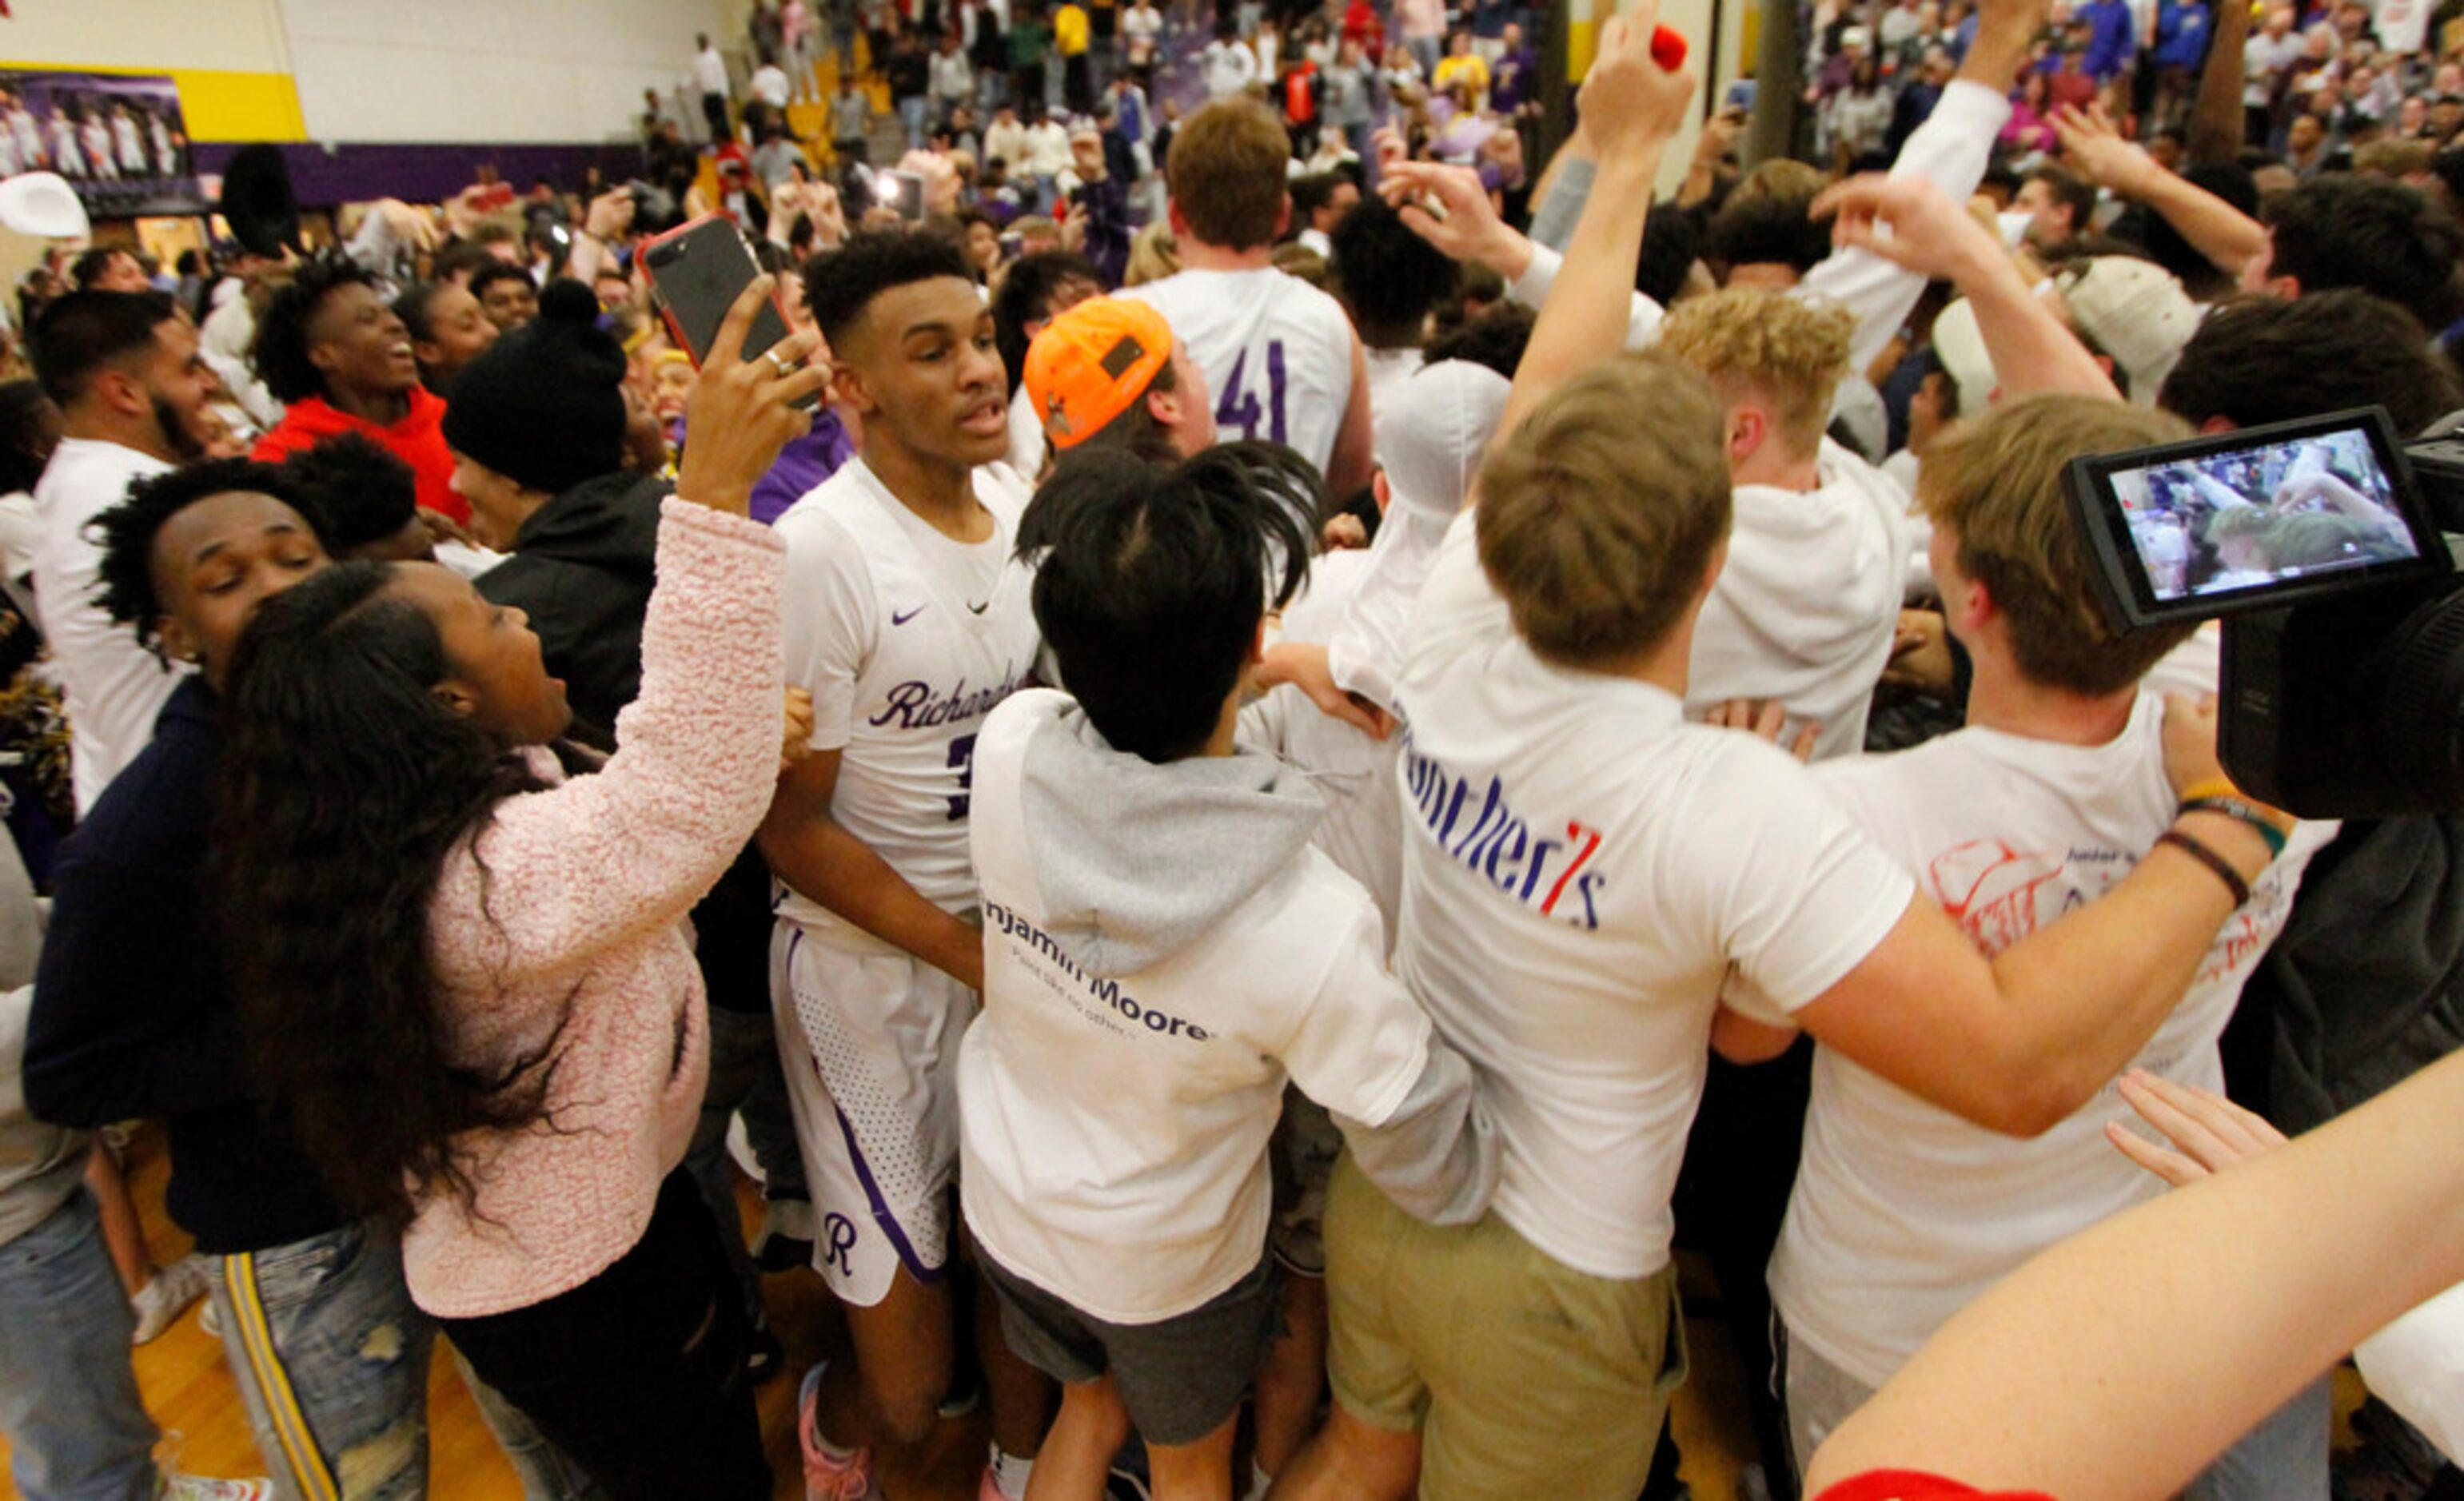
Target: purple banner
point(119, 140)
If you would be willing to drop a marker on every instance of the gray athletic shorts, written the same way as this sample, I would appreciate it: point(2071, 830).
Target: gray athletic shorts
point(1180, 1378)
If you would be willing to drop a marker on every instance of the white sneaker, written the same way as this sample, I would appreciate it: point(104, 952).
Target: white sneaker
point(160, 1303)
point(172, 1486)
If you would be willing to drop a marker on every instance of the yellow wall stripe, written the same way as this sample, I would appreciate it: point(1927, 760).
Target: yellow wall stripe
point(217, 105)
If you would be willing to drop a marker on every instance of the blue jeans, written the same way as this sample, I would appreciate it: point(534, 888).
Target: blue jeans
point(916, 112)
point(331, 1356)
point(68, 1396)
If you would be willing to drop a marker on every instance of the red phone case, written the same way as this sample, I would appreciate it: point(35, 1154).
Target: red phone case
point(667, 310)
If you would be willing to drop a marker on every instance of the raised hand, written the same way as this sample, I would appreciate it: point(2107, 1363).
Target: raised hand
point(1909, 222)
point(2094, 145)
point(1463, 222)
point(1629, 101)
point(610, 215)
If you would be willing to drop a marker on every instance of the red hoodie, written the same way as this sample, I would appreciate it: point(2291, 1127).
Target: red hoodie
point(418, 440)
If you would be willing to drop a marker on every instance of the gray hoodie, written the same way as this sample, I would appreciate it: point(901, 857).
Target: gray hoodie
point(1136, 860)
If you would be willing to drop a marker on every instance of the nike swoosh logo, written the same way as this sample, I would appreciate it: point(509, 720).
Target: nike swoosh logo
point(896, 619)
point(978, 609)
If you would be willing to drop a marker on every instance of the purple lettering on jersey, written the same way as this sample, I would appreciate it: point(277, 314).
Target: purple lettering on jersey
point(1498, 845)
point(915, 705)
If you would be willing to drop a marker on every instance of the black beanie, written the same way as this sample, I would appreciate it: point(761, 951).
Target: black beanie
point(545, 406)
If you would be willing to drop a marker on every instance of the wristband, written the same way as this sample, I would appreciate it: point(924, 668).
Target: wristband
point(2247, 812)
point(2211, 786)
point(2223, 868)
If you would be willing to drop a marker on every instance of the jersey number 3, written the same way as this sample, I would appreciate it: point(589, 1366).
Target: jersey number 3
point(962, 760)
point(1238, 406)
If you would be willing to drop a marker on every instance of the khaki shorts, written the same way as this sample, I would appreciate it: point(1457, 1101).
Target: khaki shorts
point(1523, 1377)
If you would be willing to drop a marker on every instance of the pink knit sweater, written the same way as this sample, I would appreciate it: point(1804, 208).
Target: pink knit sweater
point(569, 907)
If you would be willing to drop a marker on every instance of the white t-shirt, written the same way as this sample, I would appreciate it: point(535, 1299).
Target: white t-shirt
point(1582, 871)
point(1363, 831)
point(1228, 68)
point(1113, 1131)
point(1027, 445)
point(114, 687)
point(710, 71)
point(1277, 353)
point(1903, 1211)
point(1805, 607)
point(1390, 371)
point(906, 639)
point(770, 85)
point(1048, 148)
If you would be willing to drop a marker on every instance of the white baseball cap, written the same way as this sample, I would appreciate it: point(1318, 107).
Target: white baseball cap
point(1430, 443)
point(43, 204)
point(2137, 313)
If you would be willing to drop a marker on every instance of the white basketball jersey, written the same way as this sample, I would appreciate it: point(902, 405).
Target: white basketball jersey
point(1277, 353)
point(906, 639)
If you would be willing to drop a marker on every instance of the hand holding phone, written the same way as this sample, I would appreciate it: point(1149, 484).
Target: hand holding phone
point(699, 271)
point(745, 408)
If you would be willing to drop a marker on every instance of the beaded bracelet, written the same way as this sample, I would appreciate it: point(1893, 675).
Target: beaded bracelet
point(2246, 811)
point(2209, 857)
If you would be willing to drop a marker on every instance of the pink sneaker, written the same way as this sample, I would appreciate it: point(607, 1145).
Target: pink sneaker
point(830, 1478)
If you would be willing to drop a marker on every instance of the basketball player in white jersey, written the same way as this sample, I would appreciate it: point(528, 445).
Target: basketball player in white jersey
point(1280, 356)
point(907, 620)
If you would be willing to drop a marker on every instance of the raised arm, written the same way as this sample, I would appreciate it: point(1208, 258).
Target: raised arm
point(1467, 228)
point(1909, 223)
point(1632, 106)
point(1949, 150)
point(2229, 238)
point(2216, 129)
point(603, 857)
point(2124, 1359)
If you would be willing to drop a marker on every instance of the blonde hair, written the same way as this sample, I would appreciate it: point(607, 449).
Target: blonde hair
point(1598, 516)
point(1787, 351)
point(1779, 179)
point(1154, 255)
point(1996, 486)
point(1295, 259)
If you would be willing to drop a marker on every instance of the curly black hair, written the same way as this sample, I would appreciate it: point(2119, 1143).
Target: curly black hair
point(840, 284)
point(279, 352)
point(126, 532)
point(363, 492)
point(1389, 276)
point(343, 785)
point(495, 271)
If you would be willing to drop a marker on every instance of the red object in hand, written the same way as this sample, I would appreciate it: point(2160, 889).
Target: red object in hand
point(1667, 47)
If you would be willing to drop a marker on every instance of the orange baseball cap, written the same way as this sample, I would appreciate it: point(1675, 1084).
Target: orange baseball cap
point(1090, 363)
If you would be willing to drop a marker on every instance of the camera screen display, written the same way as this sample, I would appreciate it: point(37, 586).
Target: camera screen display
point(2256, 518)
